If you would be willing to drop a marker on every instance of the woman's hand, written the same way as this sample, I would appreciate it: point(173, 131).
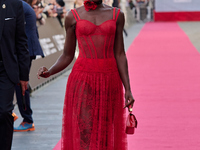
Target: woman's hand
point(43, 72)
point(129, 100)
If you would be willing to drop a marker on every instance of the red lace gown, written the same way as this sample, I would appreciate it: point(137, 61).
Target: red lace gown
point(93, 114)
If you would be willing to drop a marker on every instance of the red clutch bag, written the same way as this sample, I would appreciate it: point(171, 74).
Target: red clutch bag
point(131, 123)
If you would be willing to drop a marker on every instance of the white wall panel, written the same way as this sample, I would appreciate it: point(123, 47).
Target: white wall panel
point(177, 5)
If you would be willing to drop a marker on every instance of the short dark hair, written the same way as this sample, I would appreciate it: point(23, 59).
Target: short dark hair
point(61, 3)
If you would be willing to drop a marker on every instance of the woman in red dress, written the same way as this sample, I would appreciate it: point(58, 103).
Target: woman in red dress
point(93, 114)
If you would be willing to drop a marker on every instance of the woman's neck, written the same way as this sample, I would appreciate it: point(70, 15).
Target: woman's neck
point(98, 2)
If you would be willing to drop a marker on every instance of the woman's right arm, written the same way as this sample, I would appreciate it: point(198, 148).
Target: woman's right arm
point(69, 49)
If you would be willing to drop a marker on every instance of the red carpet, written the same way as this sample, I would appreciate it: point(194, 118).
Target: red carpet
point(164, 68)
point(58, 145)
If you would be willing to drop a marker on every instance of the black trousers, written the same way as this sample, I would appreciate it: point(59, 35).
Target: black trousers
point(26, 114)
point(6, 107)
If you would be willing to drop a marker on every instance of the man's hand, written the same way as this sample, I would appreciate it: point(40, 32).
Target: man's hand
point(23, 86)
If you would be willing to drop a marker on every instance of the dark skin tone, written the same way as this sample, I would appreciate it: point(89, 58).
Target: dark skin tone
point(101, 14)
point(23, 86)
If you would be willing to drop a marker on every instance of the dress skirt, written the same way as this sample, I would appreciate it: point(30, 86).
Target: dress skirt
point(93, 114)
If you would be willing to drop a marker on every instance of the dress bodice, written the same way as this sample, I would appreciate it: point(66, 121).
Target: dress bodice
point(95, 41)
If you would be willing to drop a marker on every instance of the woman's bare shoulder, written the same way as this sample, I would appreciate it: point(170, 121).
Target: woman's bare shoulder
point(107, 7)
point(70, 19)
point(110, 8)
point(120, 17)
point(121, 13)
point(80, 9)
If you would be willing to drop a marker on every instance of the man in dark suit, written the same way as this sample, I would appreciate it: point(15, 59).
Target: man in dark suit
point(34, 50)
point(14, 64)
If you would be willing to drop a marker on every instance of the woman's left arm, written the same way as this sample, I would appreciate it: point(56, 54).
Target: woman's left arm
point(121, 60)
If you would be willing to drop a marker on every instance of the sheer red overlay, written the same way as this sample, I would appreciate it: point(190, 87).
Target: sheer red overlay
point(93, 114)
